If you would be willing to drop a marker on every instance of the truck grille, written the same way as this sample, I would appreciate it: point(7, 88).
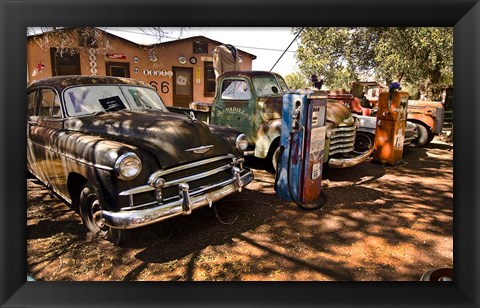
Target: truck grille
point(201, 176)
point(342, 139)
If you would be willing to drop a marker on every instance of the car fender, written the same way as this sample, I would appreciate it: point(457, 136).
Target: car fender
point(266, 134)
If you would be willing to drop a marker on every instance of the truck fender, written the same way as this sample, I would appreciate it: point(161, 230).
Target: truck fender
point(266, 134)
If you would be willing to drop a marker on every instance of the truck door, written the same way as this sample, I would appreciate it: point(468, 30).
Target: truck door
point(235, 106)
point(182, 86)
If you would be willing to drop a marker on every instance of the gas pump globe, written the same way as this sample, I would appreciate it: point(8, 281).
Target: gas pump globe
point(302, 142)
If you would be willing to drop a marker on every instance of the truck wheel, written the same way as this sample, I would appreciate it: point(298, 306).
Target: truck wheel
point(363, 142)
point(90, 212)
point(275, 158)
point(422, 138)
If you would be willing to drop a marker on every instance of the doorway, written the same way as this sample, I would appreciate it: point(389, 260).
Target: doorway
point(182, 86)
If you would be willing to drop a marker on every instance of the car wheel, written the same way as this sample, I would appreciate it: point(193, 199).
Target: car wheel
point(422, 138)
point(90, 212)
point(363, 142)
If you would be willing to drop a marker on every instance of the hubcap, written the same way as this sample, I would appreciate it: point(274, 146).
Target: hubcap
point(97, 218)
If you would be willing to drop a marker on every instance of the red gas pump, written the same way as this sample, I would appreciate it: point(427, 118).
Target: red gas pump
point(390, 131)
point(299, 171)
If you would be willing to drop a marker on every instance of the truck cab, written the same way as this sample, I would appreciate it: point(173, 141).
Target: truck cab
point(251, 102)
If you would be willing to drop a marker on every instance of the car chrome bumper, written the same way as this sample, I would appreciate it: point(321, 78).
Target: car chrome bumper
point(349, 162)
point(129, 219)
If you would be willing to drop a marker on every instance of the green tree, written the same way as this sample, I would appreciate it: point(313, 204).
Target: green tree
point(297, 80)
point(419, 58)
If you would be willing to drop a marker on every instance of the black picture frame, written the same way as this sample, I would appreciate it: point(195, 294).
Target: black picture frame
point(16, 16)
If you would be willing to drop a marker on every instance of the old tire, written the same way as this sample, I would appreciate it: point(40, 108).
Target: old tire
point(89, 211)
point(275, 158)
point(422, 138)
point(363, 142)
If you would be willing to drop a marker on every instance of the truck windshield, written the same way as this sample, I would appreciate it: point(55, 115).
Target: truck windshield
point(85, 100)
point(266, 85)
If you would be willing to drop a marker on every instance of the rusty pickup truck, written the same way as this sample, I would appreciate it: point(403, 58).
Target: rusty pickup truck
point(251, 102)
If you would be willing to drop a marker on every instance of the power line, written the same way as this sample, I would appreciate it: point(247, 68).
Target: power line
point(287, 48)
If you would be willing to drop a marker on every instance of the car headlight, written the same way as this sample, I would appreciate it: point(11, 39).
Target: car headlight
point(128, 166)
point(241, 142)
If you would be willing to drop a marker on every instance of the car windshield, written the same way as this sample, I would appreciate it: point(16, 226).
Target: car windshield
point(267, 85)
point(85, 100)
point(282, 84)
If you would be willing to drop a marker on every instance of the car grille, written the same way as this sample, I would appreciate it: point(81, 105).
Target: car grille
point(201, 176)
point(342, 140)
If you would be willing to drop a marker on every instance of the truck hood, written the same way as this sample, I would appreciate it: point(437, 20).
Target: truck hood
point(166, 135)
point(339, 114)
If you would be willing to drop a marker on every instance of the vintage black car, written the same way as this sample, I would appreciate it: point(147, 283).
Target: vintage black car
point(110, 148)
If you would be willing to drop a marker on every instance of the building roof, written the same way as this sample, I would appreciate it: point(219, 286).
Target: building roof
point(193, 38)
point(200, 37)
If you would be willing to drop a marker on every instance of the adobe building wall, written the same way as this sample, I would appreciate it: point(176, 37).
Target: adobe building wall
point(152, 64)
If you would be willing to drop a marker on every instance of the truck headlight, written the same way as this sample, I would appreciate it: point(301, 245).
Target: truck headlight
point(128, 166)
point(241, 142)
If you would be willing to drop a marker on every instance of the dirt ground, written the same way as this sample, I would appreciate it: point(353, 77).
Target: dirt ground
point(380, 223)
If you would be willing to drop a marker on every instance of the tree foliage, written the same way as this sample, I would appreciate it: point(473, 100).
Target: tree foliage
point(421, 58)
point(297, 80)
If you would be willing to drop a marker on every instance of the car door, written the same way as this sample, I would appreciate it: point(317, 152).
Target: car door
point(33, 165)
point(45, 135)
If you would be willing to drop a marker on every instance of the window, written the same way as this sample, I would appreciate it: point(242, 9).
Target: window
point(235, 89)
point(50, 104)
point(118, 69)
point(65, 61)
point(266, 85)
point(209, 79)
point(31, 103)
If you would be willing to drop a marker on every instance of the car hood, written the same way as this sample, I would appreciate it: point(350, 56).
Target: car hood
point(166, 135)
point(339, 114)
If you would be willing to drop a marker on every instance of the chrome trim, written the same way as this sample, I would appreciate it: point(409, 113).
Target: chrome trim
point(138, 218)
point(240, 138)
point(200, 150)
point(197, 176)
point(150, 186)
point(190, 165)
point(119, 161)
point(349, 162)
point(342, 150)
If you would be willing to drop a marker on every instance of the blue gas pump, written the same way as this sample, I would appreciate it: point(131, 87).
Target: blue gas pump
point(302, 142)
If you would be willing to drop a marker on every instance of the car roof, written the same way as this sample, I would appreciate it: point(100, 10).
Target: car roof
point(249, 73)
point(62, 82)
